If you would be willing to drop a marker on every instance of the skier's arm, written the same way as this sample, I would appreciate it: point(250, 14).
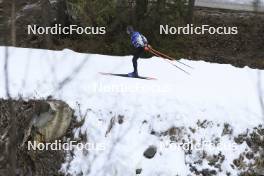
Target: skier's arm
point(145, 41)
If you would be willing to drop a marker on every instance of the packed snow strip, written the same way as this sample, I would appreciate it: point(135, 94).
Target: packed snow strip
point(127, 115)
point(244, 5)
point(241, 1)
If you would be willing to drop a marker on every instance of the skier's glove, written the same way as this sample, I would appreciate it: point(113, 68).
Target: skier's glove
point(147, 47)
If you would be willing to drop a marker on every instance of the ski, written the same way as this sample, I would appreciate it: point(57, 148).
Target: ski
point(126, 76)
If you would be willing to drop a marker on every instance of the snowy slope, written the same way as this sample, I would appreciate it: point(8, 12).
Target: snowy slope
point(216, 93)
point(242, 5)
point(242, 1)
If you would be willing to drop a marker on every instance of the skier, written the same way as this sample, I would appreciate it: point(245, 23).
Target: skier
point(140, 42)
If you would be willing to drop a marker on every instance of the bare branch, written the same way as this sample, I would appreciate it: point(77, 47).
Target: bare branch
point(13, 23)
point(12, 138)
point(260, 93)
point(6, 73)
point(12, 142)
point(69, 78)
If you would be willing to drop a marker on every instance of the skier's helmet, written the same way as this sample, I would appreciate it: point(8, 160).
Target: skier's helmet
point(129, 29)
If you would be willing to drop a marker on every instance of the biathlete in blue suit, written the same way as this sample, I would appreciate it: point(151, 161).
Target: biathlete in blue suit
point(140, 43)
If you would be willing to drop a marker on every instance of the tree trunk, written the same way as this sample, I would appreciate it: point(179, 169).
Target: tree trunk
point(140, 10)
point(13, 23)
point(256, 5)
point(191, 4)
point(160, 8)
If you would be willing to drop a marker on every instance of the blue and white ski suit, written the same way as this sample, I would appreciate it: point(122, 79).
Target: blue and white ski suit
point(138, 41)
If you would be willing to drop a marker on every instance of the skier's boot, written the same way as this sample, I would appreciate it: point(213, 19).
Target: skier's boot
point(133, 75)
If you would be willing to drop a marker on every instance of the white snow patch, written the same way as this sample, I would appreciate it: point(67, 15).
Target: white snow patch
point(216, 92)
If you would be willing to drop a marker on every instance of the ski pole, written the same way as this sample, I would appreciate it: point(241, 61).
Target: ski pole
point(168, 57)
point(156, 54)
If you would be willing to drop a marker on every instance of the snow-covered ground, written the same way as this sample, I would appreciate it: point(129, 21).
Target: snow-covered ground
point(213, 92)
point(242, 5)
point(240, 1)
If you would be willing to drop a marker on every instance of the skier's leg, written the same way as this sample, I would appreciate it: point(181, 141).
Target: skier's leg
point(134, 61)
point(136, 56)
